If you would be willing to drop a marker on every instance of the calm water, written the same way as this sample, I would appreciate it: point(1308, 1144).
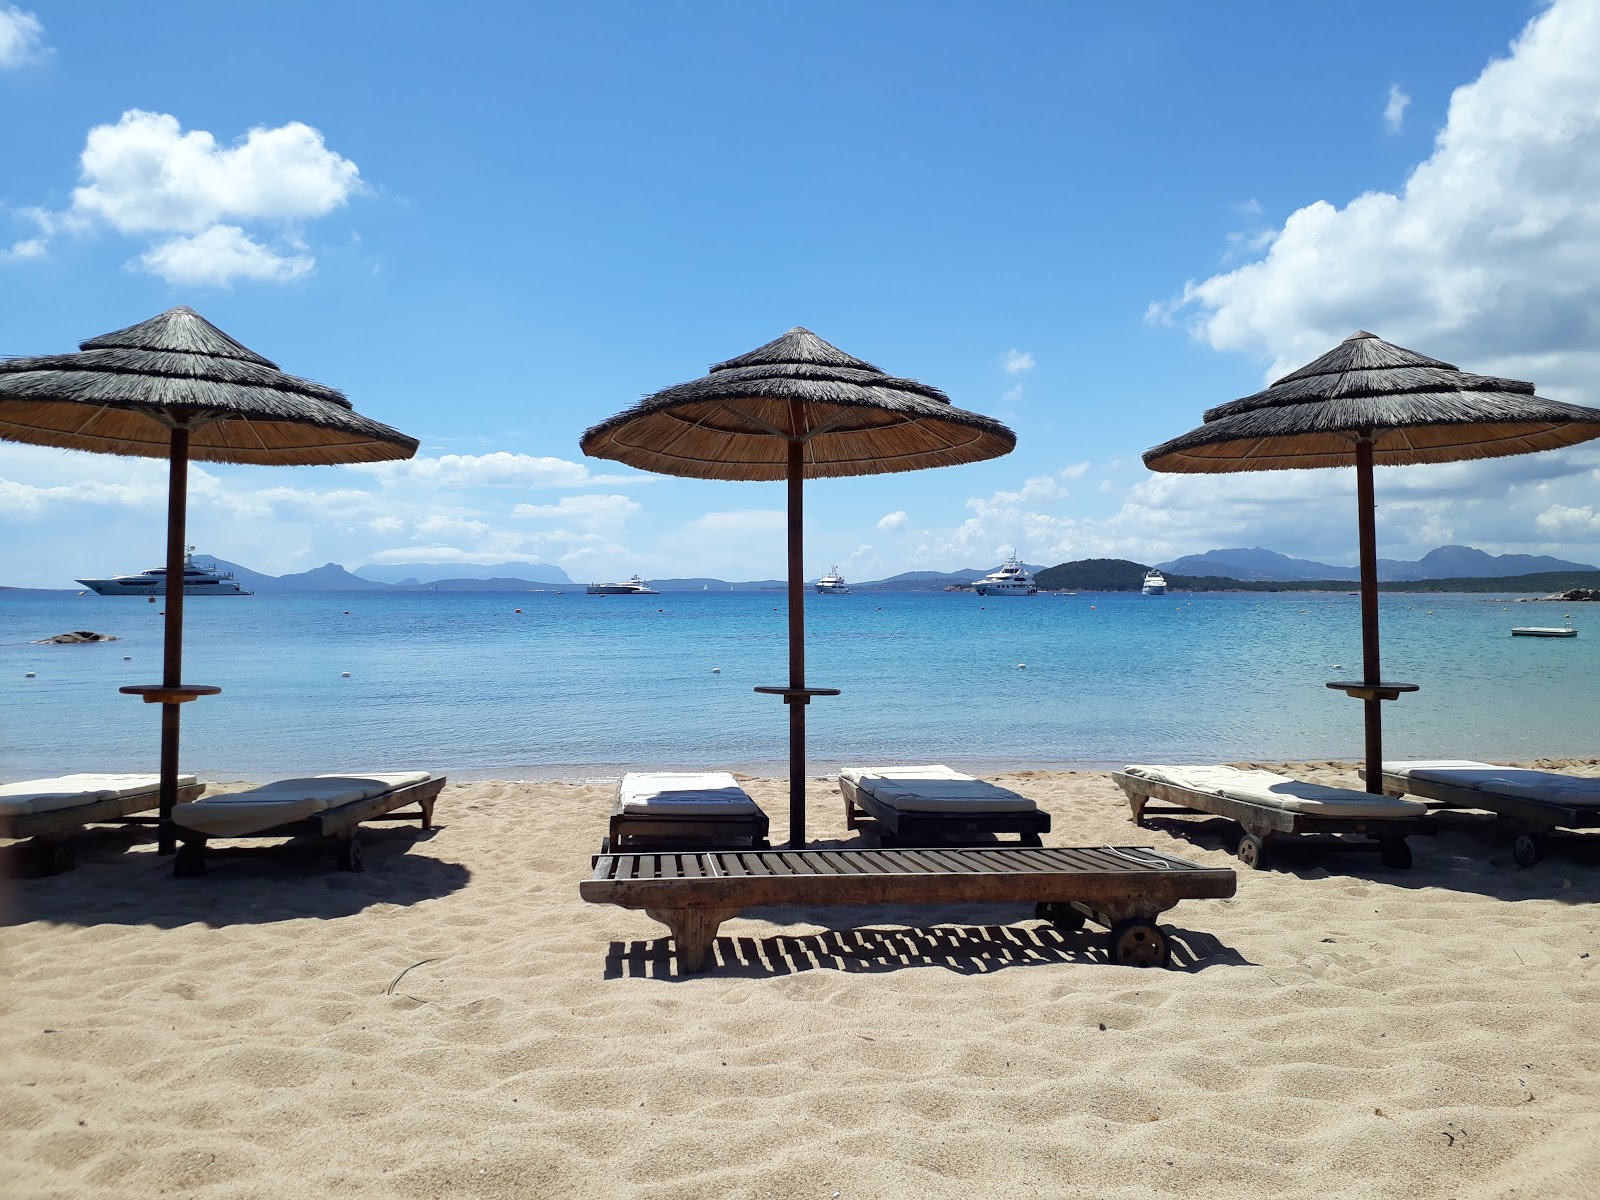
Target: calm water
point(583, 687)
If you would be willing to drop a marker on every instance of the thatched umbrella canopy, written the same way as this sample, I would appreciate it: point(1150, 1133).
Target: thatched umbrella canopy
point(177, 387)
point(796, 408)
point(1369, 402)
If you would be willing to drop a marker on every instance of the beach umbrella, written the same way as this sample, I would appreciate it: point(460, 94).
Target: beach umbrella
point(177, 387)
point(796, 409)
point(1368, 402)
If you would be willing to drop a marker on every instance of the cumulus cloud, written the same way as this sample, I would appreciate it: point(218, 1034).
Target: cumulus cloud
point(1489, 256)
point(1567, 521)
point(1394, 112)
point(1015, 360)
point(147, 177)
point(218, 256)
point(608, 508)
point(500, 468)
point(21, 37)
point(890, 522)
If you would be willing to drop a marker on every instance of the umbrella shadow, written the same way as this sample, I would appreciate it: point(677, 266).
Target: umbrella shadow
point(287, 881)
point(1474, 858)
point(976, 949)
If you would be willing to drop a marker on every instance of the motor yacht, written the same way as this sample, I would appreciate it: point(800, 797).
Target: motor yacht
point(1154, 583)
point(197, 581)
point(1010, 578)
point(832, 584)
point(633, 587)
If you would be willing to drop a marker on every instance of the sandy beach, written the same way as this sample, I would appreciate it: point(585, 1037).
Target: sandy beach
point(454, 1022)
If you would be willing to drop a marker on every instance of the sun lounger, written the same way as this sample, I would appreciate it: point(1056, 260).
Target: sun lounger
point(1124, 888)
point(1534, 803)
point(704, 810)
point(934, 805)
point(330, 807)
point(1268, 805)
point(50, 812)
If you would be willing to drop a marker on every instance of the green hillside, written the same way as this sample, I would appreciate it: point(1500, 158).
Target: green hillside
point(1121, 575)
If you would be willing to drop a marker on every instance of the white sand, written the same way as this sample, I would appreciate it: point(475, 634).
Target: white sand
point(456, 1023)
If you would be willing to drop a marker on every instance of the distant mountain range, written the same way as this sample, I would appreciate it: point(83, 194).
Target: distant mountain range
point(1447, 562)
point(435, 572)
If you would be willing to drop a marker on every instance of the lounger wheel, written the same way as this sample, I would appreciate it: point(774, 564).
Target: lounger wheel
point(1527, 850)
point(1252, 852)
point(190, 860)
point(1394, 852)
point(348, 855)
point(1063, 916)
point(1138, 943)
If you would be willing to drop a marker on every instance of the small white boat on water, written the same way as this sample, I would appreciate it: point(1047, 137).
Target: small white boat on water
point(832, 584)
point(1010, 578)
point(197, 581)
point(1543, 631)
point(1154, 583)
point(633, 587)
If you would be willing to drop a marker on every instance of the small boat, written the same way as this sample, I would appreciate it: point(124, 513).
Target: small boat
point(832, 584)
point(1154, 583)
point(197, 581)
point(1543, 631)
point(633, 587)
point(1010, 578)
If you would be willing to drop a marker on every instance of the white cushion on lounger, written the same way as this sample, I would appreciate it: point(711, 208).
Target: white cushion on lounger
point(934, 789)
point(1507, 781)
point(688, 794)
point(239, 813)
point(69, 791)
point(1279, 791)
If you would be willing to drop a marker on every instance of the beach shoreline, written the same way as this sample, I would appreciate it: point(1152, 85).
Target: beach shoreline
point(454, 1021)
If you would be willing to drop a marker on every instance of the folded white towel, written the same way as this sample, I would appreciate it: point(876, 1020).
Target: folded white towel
point(687, 794)
point(69, 791)
point(1279, 791)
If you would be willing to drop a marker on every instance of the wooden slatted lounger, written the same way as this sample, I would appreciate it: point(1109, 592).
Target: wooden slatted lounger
point(701, 810)
point(934, 805)
point(50, 812)
point(1534, 803)
point(329, 807)
point(1267, 805)
point(1124, 888)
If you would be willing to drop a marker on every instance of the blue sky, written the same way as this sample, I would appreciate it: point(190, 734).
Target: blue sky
point(495, 225)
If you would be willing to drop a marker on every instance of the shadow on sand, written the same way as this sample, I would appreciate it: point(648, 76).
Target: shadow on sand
point(1463, 854)
point(976, 949)
point(120, 880)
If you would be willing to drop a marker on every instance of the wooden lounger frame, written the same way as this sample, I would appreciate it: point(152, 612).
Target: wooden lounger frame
point(1263, 822)
point(1532, 820)
point(1124, 888)
point(53, 835)
point(337, 826)
point(645, 830)
point(896, 827)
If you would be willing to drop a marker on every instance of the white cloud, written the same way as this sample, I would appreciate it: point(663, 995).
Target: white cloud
point(1394, 112)
point(21, 37)
point(890, 522)
point(608, 508)
point(499, 468)
point(218, 256)
point(1012, 394)
point(1566, 521)
point(146, 177)
point(1490, 254)
point(1015, 360)
point(26, 248)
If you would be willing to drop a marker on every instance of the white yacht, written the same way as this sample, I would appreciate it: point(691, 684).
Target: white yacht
point(634, 587)
point(197, 581)
point(832, 584)
point(1154, 584)
point(1011, 578)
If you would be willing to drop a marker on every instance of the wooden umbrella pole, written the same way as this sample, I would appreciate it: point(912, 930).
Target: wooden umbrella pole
point(797, 635)
point(172, 649)
point(1366, 520)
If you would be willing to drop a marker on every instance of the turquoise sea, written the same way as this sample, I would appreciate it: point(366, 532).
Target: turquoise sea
point(582, 687)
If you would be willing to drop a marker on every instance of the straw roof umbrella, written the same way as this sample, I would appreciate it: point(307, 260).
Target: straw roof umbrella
point(177, 387)
point(796, 408)
point(1368, 402)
